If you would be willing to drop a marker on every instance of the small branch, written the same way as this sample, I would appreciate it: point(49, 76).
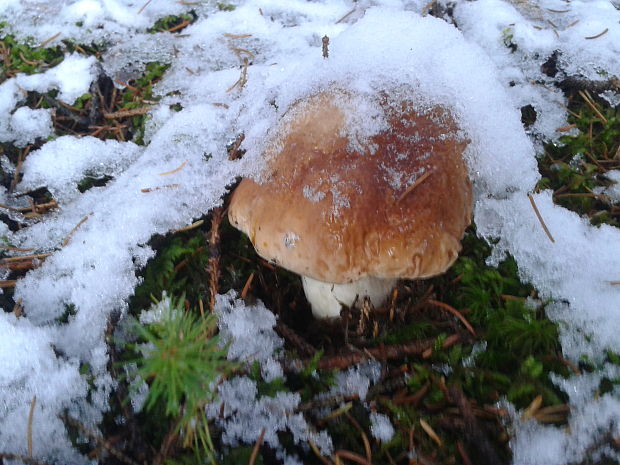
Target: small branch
point(338, 362)
point(540, 218)
point(325, 41)
point(213, 266)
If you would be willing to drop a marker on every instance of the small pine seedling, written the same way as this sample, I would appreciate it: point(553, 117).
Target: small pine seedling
point(182, 362)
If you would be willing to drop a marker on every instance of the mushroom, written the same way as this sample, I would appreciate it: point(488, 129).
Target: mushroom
point(357, 192)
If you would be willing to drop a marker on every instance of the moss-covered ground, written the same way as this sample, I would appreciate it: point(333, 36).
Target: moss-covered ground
point(453, 349)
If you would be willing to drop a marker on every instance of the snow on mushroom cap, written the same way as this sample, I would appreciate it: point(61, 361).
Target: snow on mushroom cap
point(391, 203)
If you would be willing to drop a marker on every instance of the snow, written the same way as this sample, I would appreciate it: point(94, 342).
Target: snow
point(249, 333)
point(243, 414)
point(98, 238)
point(62, 163)
point(380, 427)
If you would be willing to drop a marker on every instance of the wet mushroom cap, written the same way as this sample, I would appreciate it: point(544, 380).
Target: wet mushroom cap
point(336, 206)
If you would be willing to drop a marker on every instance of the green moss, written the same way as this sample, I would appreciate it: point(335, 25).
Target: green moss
point(173, 21)
point(222, 6)
point(575, 166)
point(24, 58)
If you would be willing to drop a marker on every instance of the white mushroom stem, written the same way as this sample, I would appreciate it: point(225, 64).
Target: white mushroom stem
point(327, 299)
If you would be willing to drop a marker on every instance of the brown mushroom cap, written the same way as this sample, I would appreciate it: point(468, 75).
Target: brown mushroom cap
point(336, 208)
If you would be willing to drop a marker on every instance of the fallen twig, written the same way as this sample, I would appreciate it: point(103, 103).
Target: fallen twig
point(338, 362)
point(213, 266)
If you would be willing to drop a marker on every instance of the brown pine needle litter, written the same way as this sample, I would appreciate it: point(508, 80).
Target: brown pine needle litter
point(256, 448)
point(75, 228)
point(531, 409)
point(540, 218)
point(47, 41)
point(146, 190)
point(236, 36)
point(127, 113)
point(431, 432)
point(454, 312)
point(415, 184)
point(352, 456)
point(33, 403)
point(592, 104)
point(246, 288)
point(176, 170)
point(598, 35)
point(144, 6)
point(189, 227)
point(367, 448)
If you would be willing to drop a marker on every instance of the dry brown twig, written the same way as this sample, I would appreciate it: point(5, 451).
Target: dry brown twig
point(213, 266)
point(383, 353)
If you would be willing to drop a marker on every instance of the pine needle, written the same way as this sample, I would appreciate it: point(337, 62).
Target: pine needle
point(540, 218)
point(409, 189)
point(30, 417)
point(454, 312)
point(256, 448)
point(431, 432)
